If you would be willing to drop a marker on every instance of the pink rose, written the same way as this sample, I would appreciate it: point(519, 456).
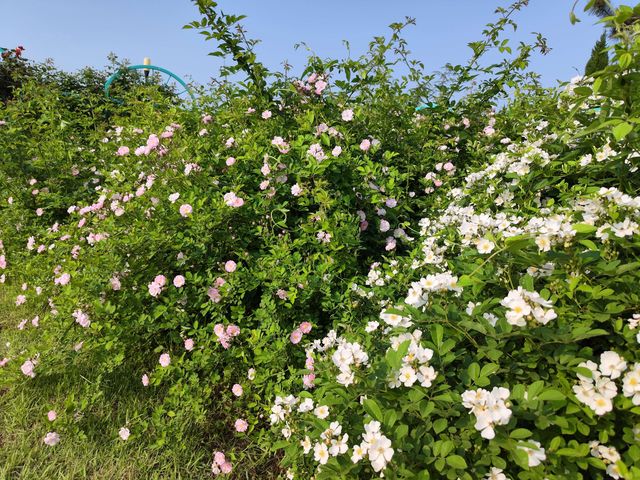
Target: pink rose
point(185, 210)
point(296, 336)
point(233, 330)
point(122, 151)
point(305, 327)
point(51, 439)
point(188, 344)
point(164, 360)
point(241, 425)
point(237, 390)
point(230, 266)
point(178, 281)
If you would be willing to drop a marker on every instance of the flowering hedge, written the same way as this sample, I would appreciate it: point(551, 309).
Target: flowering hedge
point(359, 289)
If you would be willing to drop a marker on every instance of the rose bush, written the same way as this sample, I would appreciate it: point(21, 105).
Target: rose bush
point(447, 294)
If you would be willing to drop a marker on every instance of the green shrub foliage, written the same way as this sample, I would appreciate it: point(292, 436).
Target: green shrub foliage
point(310, 265)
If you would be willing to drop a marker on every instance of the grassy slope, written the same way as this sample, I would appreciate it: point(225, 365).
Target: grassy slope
point(102, 455)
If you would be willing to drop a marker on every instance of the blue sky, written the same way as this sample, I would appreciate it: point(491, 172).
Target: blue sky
point(75, 33)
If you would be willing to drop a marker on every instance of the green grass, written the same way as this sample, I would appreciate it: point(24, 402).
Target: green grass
point(97, 452)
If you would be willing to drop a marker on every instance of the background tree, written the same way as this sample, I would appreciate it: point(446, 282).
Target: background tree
point(599, 57)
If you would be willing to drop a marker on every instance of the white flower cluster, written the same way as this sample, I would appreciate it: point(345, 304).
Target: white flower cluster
point(609, 455)
point(418, 294)
point(374, 445)
point(516, 160)
point(395, 319)
point(282, 408)
point(524, 305)
point(346, 356)
point(598, 391)
point(631, 384)
point(331, 444)
point(490, 409)
point(415, 364)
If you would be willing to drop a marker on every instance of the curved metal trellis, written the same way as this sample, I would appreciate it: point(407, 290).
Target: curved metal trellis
point(146, 69)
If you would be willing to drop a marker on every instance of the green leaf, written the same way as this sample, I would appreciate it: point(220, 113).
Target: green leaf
point(551, 395)
point(622, 130)
point(473, 371)
point(456, 461)
point(373, 409)
point(439, 425)
point(519, 433)
point(583, 228)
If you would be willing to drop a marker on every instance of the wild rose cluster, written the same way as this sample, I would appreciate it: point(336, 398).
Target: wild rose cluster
point(415, 364)
point(220, 465)
point(298, 333)
point(418, 294)
point(315, 84)
point(375, 446)
point(226, 335)
point(524, 306)
point(599, 389)
point(491, 408)
point(330, 444)
point(609, 455)
point(346, 357)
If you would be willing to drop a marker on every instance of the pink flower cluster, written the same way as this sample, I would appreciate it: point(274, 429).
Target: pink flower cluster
point(153, 143)
point(309, 378)
point(62, 279)
point(155, 287)
point(315, 84)
point(316, 152)
point(220, 464)
point(232, 200)
point(296, 335)
point(164, 360)
point(213, 292)
point(281, 145)
point(81, 318)
point(226, 335)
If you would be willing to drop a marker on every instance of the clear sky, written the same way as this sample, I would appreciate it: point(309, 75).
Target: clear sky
point(75, 33)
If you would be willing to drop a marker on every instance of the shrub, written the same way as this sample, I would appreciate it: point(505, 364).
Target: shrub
point(406, 273)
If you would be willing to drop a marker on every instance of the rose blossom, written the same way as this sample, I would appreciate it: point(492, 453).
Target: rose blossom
point(305, 327)
point(51, 439)
point(241, 425)
point(296, 336)
point(237, 390)
point(164, 360)
point(185, 210)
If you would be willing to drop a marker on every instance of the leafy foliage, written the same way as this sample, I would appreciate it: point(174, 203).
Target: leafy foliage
point(462, 281)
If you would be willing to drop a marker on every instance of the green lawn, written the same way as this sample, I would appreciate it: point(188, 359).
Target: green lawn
point(101, 454)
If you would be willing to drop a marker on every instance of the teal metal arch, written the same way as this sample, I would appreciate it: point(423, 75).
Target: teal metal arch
point(424, 106)
point(116, 75)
